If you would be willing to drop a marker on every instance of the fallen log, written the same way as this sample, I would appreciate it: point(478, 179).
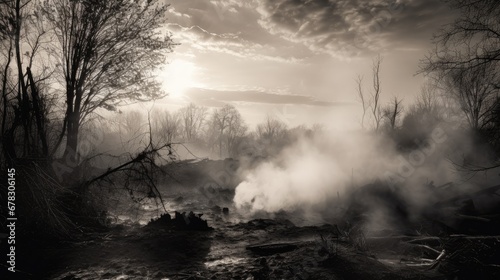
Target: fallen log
point(273, 248)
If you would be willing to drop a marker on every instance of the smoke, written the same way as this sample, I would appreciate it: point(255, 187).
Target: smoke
point(313, 172)
point(298, 178)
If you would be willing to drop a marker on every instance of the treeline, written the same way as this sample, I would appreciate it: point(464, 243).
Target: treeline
point(465, 103)
point(205, 132)
point(462, 88)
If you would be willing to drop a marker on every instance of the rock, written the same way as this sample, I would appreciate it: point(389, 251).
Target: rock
point(271, 249)
point(225, 210)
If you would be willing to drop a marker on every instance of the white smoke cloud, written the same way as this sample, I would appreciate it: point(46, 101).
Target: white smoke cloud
point(309, 175)
point(312, 171)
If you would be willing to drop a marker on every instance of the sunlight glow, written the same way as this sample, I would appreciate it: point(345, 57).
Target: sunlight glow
point(177, 77)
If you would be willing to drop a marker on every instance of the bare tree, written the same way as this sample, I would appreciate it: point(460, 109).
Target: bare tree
point(227, 127)
point(192, 119)
point(464, 51)
point(477, 97)
point(472, 40)
point(271, 130)
point(108, 53)
point(23, 126)
point(427, 99)
point(393, 112)
point(167, 127)
point(361, 96)
point(429, 108)
point(375, 106)
point(132, 122)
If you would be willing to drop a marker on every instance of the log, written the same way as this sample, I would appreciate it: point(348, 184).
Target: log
point(272, 248)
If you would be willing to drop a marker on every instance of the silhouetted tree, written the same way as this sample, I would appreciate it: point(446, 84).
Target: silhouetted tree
point(271, 130)
point(426, 112)
point(375, 105)
point(428, 99)
point(471, 41)
point(192, 119)
point(227, 128)
point(475, 94)
point(23, 109)
point(107, 51)
point(393, 112)
point(466, 60)
point(167, 126)
point(361, 96)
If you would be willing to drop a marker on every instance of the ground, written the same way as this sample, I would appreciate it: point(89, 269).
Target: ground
point(238, 246)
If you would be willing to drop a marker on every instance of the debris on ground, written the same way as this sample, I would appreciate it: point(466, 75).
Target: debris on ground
point(181, 221)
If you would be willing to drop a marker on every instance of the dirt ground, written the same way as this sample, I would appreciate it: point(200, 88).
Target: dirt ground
point(128, 252)
point(243, 247)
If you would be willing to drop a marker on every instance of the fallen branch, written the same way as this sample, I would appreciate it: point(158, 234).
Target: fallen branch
point(428, 248)
point(457, 236)
point(438, 259)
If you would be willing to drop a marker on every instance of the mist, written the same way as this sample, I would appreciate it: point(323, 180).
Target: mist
point(315, 177)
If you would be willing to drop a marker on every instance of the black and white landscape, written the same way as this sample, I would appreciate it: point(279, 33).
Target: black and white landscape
point(260, 139)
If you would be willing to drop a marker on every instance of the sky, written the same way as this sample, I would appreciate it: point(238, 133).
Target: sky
point(296, 60)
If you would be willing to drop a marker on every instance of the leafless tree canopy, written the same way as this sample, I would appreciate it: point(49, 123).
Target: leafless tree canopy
point(107, 52)
point(272, 130)
point(373, 101)
point(476, 95)
point(471, 41)
point(227, 128)
point(393, 112)
point(465, 62)
point(193, 119)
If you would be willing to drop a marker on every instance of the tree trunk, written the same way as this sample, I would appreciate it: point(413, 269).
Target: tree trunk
point(72, 137)
point(23, 92)
point(39, 113)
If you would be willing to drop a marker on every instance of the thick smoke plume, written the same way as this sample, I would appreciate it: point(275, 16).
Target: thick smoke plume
point(314, 172)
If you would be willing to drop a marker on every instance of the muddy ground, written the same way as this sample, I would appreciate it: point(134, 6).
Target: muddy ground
point(133, 252)
point(242, 247)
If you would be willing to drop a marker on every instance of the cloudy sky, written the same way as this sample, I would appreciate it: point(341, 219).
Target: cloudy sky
point(296, 59)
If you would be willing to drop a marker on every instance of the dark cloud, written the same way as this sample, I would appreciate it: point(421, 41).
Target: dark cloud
point(227, 26)
point(338, 27)
point(278, 28)
point(345, 27)
point(217, 97)
point(272, 44)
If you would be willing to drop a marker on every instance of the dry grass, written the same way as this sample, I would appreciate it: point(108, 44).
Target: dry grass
point(40, 201)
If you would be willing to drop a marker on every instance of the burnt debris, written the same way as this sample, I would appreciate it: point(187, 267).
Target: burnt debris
point(181, 221)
